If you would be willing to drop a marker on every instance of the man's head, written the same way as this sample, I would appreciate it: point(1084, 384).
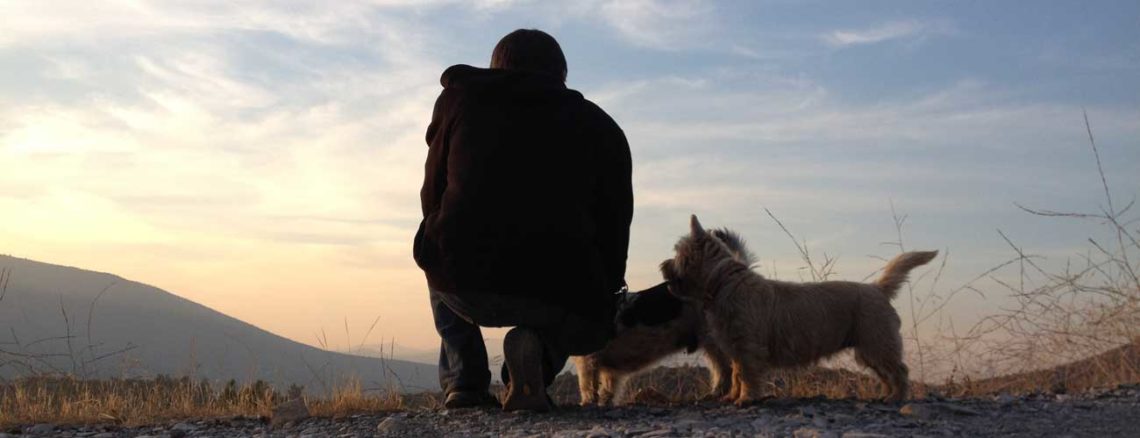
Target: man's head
point(532, 50)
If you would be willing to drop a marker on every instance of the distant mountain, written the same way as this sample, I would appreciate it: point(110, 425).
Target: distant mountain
point(431, 355)
point(95, 325)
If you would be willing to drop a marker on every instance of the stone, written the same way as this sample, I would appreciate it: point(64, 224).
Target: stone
point(635, 431)
point(927, 411)
point(291, 411)
point(41, 429)
point(392, 425)
point(184, 427)
point(598, 432)
point(760, 424)
point(104, 435)
point(855, 434)
point(959, 409)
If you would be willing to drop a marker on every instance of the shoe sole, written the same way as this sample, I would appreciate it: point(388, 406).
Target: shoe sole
point(475, 402)
point(527, 391)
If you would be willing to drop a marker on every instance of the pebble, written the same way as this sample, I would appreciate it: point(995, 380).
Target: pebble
point(292, 411)
point(184, 427)
point(41, 429)
point(929, 411)
point(392, 425)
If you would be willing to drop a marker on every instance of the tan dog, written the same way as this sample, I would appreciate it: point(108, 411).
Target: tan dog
point(652, 325)
point(760, 323)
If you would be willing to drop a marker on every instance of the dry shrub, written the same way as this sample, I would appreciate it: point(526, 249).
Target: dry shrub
point(352, 398)
point(129, 402)
point(1071, 324)
point(66, 400)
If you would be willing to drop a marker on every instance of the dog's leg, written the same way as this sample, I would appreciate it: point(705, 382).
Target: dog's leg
point(608, 382)
point(587, 379)
point(736, 377)
point(901, 378)
point(750, 389)
point(720, 368)
point(886, 362)
point(750, 365)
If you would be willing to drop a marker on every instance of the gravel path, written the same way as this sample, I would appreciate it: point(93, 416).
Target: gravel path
point(1107, 413)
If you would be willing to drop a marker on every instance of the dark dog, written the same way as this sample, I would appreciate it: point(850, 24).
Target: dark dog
point(652, 325)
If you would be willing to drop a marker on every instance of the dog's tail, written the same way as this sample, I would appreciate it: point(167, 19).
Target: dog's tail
point(894, 275)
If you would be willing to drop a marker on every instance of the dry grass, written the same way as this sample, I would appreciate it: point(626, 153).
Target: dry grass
point(65, 400)
point(70, 400)
point(1109, 369)
point(351, 398)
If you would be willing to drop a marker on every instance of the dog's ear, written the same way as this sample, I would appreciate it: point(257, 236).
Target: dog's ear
point(668, 270)
point(695, 227)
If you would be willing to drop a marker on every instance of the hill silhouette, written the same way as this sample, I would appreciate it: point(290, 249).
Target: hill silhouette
point(62, 320)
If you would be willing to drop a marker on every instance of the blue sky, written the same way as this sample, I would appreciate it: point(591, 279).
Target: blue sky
point(264, 158)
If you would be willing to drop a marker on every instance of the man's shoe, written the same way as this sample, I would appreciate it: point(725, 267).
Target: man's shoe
point(523, 353)
point(470, 399)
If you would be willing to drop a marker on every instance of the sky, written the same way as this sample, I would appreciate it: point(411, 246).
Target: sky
point(264, 158)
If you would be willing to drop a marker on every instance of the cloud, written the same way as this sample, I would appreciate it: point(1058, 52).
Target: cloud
point(895, 30)
point(659, 24)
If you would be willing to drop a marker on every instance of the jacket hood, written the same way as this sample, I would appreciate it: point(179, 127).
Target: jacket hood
point(517, 83)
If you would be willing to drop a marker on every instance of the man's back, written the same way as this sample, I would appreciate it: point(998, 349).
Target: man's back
point(527, 191)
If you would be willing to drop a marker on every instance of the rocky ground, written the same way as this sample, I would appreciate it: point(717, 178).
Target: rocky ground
point(1099, 413)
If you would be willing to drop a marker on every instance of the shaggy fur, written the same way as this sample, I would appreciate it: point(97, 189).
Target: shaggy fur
point(760, 323)
point(651, 325)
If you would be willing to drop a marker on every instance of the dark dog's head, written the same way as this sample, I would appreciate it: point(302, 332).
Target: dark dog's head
point(657, 309)
point(653, 306)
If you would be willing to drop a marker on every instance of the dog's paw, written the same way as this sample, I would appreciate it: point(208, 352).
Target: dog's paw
point(744, 402)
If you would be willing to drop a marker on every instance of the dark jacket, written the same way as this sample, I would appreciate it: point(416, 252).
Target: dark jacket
point(526, 191)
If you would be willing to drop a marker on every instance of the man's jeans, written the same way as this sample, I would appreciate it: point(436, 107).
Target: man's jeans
point(463, 356)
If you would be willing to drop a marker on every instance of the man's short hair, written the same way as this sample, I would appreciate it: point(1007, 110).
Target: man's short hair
point(530, 49)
